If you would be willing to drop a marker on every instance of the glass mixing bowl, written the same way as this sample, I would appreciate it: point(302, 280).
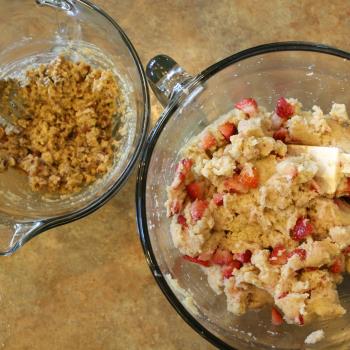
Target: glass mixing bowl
point(35, 32)
point(316, 75)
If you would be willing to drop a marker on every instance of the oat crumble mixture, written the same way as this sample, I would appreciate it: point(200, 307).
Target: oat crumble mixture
point(65, 126)
point(254, 218)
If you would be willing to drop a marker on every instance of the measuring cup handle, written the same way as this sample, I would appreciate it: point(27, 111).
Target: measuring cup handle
point(166, 78)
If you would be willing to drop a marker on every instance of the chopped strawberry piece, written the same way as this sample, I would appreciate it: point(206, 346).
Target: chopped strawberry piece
point(196, 260)
point(236, 264)
point(249, 178)
point(337, 266)
point(218, 199)
point(198, 208)
point(243, 257)
point(181, 220)
point(346, 251)
point(222, 257)
point(175, 207)
point(314, 186)
point(284, 109)
point(234, 185)
point(227, 130)
point(195, 190)
point(301, 320)
point(283, 295)
point(276, 317)
point(302, 229)
point(181, 177)
point(299, 251)
point(281, 134)
point(182, 169)
point(278, 255)
point(311, 268)
point(243, 182)
point(227, 270)
point(186, 164)
point(248, 106)
point(208, 141)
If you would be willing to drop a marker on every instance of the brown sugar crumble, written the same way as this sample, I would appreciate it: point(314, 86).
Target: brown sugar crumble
point(65, 129)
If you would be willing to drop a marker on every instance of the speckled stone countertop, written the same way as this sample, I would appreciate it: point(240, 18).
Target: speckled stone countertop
point(86, 285)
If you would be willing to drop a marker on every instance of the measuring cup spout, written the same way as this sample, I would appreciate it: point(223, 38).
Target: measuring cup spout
point(14, 234)
point(60, 4)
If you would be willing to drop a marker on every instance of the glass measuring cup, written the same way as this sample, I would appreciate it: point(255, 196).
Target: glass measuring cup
point(35, 32)
point(313, 73)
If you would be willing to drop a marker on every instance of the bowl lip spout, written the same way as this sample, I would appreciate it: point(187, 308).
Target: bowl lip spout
point(51, 222)
point(146, 158)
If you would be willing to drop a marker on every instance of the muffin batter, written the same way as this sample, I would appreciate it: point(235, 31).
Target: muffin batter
point(255, 218)
point(65, 125)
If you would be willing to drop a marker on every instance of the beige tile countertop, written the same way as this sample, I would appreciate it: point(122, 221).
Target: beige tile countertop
point(86, 285)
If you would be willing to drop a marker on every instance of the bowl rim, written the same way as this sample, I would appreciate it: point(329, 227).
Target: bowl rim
point(148, 151)
point(52, 222)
